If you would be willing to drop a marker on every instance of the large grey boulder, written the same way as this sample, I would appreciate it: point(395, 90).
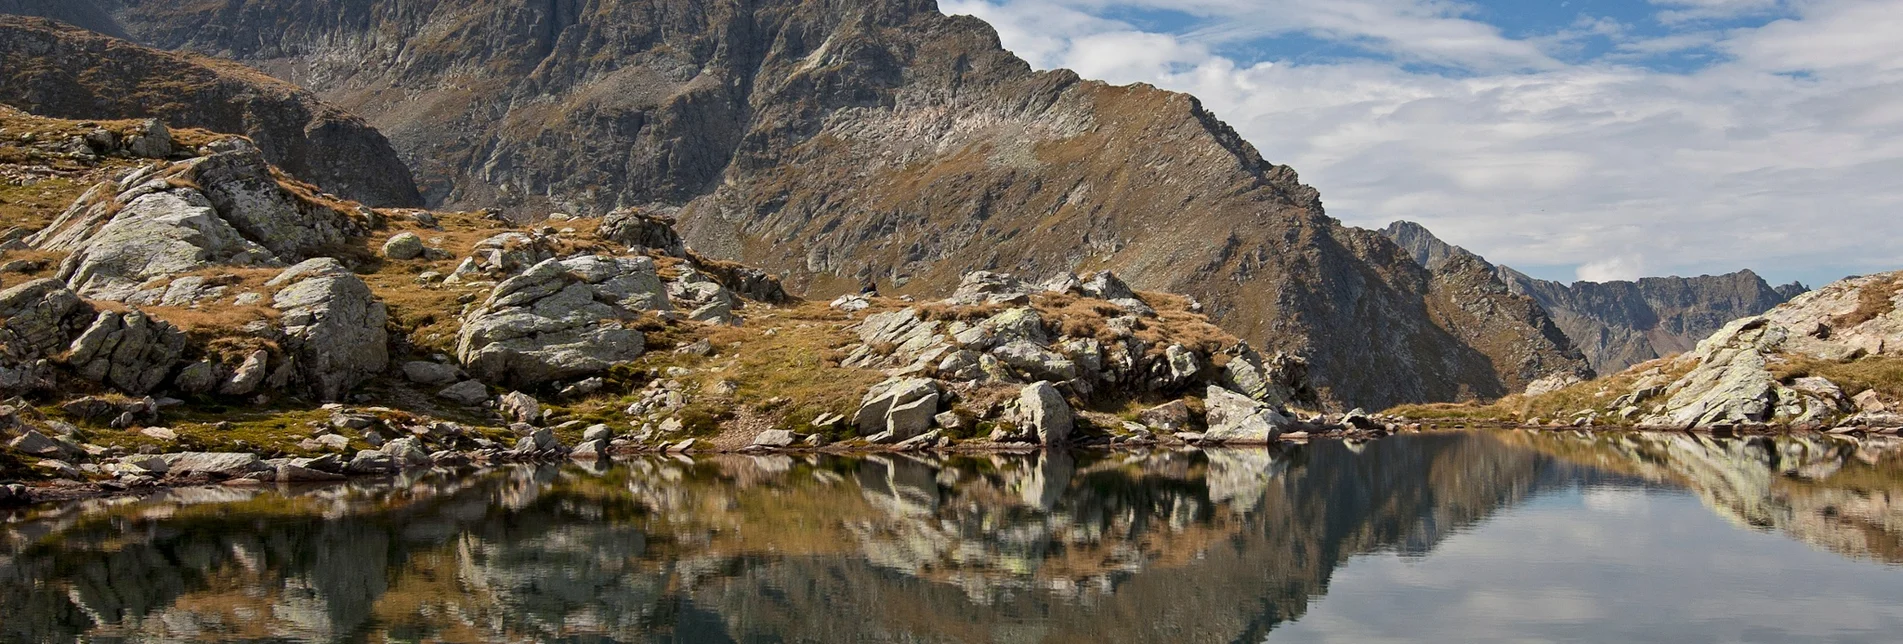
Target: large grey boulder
point(1235, 418)
point(641, 230)
point(560, 319)
point(333, 326)
point(911, 396)
point(219, 464)
point(986, 287)
point(130, 351)
point(402, 246)
point(1043, 410)
point(1104, 285)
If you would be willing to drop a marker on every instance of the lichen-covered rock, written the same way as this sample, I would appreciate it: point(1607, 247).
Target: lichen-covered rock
point(249, 375)
point(129, 351)
point(1044, 411)
point(403, 246)
point(642, 231)
point(39, 319)
point(706, 299)
point(223, 209)
point(560, 319)
point(875, 409)
point(333, 326)
point(986, 287)
point(1235, 418)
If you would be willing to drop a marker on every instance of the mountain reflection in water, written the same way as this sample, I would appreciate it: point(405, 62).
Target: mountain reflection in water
point(1209, 546)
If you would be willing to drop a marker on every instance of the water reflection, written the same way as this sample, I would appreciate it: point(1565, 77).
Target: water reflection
point(1163, 546)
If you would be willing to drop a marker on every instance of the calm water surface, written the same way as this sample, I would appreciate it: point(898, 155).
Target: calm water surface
point(1436, 537)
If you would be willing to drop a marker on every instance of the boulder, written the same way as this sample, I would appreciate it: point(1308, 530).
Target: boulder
point(223, 209)
point(642, 231)
point(1169, 417)
point(129, 351)
point(774, 438)
point(906, 420)
point(1104, 285)
point(248, 376)
point(597, 433)
point(1870, 401)
point(589, 450)
point(37, 444)
point(371, 462)
point(403, 246)
point(1035, 361)
point(467, 393)
point(560, 320)
point(520, 407)
point(876, 407)
point(1235, 418)
point(333, 326)
point(1043, 410)
point(217, 464)
point(428, 373)
point(406, 453)
point(197, 378)
point(986, 287)
point(293, 473)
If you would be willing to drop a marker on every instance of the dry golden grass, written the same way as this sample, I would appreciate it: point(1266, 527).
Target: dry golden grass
point(1883, 374)
point(1873, 301)
point(1596, 395)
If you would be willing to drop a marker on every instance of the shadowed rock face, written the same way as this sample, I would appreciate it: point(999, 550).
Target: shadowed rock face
point(51, 69)
point(882, 140)
point(1614, 324)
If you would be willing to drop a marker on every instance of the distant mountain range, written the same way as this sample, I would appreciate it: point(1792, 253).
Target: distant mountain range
point(1620, 323)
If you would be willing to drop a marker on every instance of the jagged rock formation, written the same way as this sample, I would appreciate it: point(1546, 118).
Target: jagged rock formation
point(54, 70)
point(874, 139)
point(1614, 324)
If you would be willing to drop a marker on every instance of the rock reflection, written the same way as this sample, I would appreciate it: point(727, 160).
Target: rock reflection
point(1840, 493)
point(1162, 546)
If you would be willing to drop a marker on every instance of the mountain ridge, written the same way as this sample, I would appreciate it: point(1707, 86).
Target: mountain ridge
point(1620, 323)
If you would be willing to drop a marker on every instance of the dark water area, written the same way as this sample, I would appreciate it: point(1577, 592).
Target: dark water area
point(1474, 536)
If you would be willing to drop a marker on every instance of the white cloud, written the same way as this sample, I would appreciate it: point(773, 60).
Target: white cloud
point(1781, 157)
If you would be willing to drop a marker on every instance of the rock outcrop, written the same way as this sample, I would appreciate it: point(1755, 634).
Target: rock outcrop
point(55, 70)
point(561, 319)
point(837, 143)
point(1754, 370)
point(126, 239)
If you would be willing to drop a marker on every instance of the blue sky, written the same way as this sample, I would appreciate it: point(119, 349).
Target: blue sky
point(1588, 139)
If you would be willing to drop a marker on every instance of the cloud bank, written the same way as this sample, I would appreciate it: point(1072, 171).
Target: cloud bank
point(1701, 136)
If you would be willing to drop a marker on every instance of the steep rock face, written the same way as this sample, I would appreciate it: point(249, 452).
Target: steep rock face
point(51, 69)
point(862, 140)
point(1510, 328)
point(1614, 324)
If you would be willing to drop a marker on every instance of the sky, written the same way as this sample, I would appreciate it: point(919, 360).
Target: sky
point(1571, 139)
